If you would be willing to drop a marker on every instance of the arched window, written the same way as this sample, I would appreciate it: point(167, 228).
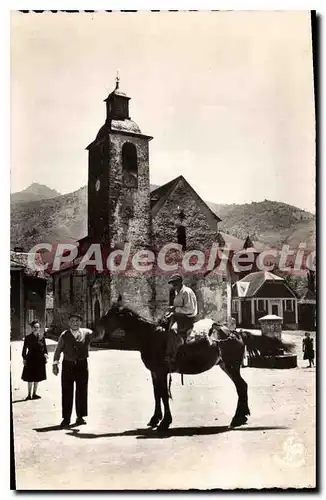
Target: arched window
point(129, 165)
point(181, 235)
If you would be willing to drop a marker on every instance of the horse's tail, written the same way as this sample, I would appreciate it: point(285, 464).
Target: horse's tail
point(261, 344)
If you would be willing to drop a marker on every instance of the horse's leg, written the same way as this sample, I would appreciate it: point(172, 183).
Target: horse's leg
point(163, 390)
point(157, 417)
point(242, 411)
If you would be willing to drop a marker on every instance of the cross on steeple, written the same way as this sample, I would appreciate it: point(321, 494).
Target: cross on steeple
point(117, 103)
point(117, 80)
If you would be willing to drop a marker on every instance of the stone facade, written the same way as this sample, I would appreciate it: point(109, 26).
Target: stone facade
point(122, 210)
point(183, 207)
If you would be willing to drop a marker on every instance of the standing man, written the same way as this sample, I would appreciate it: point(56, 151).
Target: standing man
point(74, 344)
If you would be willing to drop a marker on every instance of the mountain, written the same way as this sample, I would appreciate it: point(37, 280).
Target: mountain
point(63, 218)
point(60, 219)
point(270, 222)
point(34, 192)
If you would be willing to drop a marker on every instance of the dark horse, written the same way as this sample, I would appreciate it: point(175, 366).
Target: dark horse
point(193, 358)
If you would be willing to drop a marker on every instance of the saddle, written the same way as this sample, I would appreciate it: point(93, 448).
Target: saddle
point(179, 343)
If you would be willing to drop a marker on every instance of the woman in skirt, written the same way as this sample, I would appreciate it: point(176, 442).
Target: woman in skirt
point(308, 349)
point(35, 356)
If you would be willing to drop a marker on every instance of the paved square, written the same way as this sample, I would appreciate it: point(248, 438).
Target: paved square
point(116, 451)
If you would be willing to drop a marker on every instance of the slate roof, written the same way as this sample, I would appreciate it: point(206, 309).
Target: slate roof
point(250, 284)
point(19, 261)
point(161, 194)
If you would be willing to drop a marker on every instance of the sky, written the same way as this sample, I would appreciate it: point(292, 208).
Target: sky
point(227, 96)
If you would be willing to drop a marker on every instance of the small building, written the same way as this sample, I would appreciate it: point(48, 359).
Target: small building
point(263, 293)
point(307, 311)
point(27, 294)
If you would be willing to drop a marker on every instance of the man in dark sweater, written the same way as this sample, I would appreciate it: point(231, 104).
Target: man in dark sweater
point(74, 344)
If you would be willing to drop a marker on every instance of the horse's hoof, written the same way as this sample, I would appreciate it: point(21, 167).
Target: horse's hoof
point(238, 421)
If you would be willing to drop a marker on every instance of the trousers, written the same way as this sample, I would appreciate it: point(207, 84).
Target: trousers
point(184, 323)
point(74, 375)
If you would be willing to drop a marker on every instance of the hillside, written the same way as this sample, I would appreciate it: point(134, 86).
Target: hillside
point(59, 219)
point(270, 222)
point(34, 192)
point(64, 219)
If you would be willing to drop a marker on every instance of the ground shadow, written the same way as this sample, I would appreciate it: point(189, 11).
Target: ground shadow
point(149, 433)
point(21, 401)
point(55, 428)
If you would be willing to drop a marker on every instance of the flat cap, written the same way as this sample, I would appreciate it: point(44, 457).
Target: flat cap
point(75, 315)
point(175, 278)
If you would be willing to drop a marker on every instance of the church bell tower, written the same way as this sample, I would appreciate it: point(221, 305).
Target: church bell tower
point(118, 178)
point(119, 210)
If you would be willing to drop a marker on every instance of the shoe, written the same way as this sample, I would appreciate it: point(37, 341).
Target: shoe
point(35, 396)
point(28, 398)
point(80, 421)
point(65, 423)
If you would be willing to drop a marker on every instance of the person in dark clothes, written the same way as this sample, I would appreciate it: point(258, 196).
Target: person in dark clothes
point(308, 349)
point(35, 356)
point(74, 344)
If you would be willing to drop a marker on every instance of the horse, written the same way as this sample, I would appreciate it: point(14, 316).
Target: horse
point(195, 357)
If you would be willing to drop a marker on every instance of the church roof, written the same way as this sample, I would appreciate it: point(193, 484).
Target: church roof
point(117, 92)
point(125, 125)
point(161, 194)
point(118, 126)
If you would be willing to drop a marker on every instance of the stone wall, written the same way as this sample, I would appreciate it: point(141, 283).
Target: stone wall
point(129, 208)
point(70, 301)
point(201, 233)
point(210, 293)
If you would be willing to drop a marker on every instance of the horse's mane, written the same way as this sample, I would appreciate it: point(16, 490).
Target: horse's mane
point(129, 312)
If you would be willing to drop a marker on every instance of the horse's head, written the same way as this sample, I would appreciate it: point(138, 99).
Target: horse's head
point(116, 318)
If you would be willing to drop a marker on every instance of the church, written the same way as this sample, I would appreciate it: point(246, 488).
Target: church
point(122, 208)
